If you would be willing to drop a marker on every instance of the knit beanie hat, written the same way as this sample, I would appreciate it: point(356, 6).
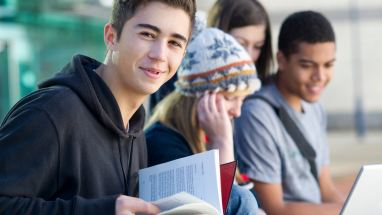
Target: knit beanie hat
point(215, 62)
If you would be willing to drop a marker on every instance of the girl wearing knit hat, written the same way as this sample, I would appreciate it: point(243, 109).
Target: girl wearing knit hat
point(215, 76)
point(248, 22)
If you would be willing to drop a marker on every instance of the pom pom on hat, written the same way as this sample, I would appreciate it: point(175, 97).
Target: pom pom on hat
point(215, 62)
point(200, 24)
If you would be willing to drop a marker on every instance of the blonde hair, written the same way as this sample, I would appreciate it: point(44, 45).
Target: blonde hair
point(178, 112)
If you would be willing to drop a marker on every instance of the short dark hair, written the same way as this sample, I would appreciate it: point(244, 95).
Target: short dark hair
point(229, 14)
point(123, 10)
point(305, 26)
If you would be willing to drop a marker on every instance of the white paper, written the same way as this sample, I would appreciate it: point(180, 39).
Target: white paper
point(176, 200)
point(184, 203)
point(198, 175)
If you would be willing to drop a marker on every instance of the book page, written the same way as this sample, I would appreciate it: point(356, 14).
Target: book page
point(184, 203)
point(192, 209)
point(198, 175)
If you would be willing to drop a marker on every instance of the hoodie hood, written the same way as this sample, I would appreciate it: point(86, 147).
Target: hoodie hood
point(79, 75)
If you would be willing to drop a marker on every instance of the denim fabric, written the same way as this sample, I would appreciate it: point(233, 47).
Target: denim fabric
point(241, 201)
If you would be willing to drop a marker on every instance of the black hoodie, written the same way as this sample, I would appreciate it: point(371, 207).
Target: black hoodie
point(64, 148)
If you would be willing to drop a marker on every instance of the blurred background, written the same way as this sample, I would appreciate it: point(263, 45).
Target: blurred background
point(38, 37)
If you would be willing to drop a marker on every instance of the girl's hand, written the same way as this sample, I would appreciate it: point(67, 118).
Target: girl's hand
point(214, 120)
point(213, 117)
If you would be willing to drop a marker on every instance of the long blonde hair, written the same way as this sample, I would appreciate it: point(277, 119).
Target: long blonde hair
point(178, 112)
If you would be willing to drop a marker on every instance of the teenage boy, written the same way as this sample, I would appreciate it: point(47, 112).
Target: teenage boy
point(285, 182)
point(75, 145)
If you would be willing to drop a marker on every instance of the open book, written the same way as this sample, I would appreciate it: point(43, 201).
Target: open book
point(196, 184)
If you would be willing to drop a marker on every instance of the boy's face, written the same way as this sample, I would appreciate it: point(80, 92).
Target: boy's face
point(305, 74)
point(150, 48)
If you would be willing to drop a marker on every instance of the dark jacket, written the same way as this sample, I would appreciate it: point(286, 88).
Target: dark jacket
point(64, 148)
point(165, 144)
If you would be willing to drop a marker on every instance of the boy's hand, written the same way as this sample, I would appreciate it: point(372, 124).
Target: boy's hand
point(126, 205)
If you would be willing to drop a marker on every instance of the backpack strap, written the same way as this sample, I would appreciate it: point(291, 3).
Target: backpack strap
point(298, 137)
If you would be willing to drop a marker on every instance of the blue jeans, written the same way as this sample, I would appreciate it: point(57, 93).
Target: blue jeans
point(241, 201)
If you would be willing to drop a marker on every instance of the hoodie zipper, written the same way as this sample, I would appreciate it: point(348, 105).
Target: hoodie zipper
point(121, 163)
point(128, 160)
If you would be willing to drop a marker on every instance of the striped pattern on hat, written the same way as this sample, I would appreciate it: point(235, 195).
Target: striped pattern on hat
point(215, 61)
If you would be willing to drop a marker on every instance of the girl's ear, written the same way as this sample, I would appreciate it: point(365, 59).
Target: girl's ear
point(110, 37)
